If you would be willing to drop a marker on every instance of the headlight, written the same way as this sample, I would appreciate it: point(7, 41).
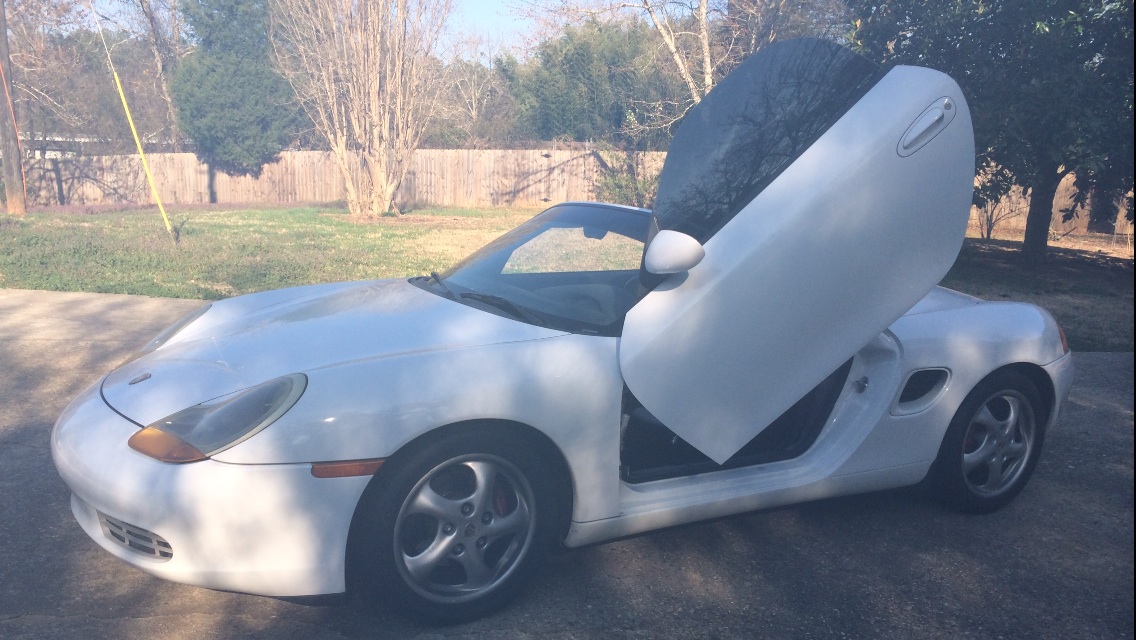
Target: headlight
point(211, 427)
point(167, 333)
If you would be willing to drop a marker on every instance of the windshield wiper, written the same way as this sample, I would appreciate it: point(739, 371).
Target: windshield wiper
point(505, 305)
point(446, 290)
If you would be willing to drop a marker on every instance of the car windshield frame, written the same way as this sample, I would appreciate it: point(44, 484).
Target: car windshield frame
point(589, 301)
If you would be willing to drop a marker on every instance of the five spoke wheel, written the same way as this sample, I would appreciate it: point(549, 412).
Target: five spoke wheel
point(452, 527)
point(464, 526)
point(992, 444)
point(998, 443)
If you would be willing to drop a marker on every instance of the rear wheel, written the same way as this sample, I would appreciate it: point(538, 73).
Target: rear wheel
point(453, 533)
point(992, 445)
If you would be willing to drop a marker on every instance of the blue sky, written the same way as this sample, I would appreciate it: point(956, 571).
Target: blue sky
point(495, 19)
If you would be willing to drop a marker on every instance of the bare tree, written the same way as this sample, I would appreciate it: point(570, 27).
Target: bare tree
point(477, 109)
point(991, 213)
point(365, 73)
point(474, 81)
point(750, 25)
point(158, 24)
point(42, 61)
point(997, 198)
point(164, 37)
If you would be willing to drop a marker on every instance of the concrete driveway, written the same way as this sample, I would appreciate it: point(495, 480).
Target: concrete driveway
point(1057, 563)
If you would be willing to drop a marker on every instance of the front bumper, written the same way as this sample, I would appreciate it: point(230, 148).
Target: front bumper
point(265, 529)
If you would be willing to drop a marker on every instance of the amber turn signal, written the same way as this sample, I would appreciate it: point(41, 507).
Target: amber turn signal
point(346, 468)
point(163, 446)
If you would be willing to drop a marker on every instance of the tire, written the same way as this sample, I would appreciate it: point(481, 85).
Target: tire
point(453, 529)
point(992, 445)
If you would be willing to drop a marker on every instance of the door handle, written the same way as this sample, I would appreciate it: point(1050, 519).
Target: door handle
point(934, 119)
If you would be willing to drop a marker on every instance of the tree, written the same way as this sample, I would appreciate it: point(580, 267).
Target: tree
point(593, 83)
point(156, 25)
point(1103, 190)
point(626, 177)
point(365, 72)
point(997, 198)
point(13, 173)
point(164, 43)
point(237, 110)
point(1105, 180)
point(65, 96)
point(1049, 82)
point(477, 110)
point(702, 40)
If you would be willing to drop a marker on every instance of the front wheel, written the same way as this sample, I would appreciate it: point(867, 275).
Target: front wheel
point(992, 445)
point(453, 533)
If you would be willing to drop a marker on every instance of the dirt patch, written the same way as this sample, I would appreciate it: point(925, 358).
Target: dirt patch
point(1085, 259)
point(1116, 245)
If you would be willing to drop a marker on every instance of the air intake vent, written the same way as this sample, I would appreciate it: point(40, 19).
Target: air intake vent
point(922, 383)
point(922, 389)
point(136, 539)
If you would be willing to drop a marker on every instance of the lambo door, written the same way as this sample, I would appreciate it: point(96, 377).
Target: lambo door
point(830, 195)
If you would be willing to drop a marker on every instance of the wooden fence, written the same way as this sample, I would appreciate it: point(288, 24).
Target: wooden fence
point(436, 177)
point(441, 177)
point(1015, 206)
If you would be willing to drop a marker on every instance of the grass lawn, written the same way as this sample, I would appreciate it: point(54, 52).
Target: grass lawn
point(226, 252)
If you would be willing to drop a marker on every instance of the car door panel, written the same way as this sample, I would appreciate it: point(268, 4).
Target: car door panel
point(835, 248)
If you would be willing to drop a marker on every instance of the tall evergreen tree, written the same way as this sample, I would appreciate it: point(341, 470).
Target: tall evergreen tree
point(239, 112)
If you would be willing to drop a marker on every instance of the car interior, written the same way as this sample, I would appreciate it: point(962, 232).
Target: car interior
point(650, 451)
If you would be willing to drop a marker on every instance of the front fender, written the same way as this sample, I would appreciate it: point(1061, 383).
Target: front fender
point(568, 387)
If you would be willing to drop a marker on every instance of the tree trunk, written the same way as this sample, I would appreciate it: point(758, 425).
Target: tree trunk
point(349, 169)
point(57, 173)
point(1043, 188)
point(9, 143)
point(212, 182)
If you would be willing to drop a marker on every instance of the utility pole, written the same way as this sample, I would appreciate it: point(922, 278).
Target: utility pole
point(9, 144)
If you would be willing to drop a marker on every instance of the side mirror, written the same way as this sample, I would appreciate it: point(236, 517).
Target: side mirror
point(672, 252)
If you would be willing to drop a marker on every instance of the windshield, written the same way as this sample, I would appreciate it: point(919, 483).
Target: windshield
point(574, 267)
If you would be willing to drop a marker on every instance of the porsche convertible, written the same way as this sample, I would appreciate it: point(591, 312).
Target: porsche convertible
point(770, 333)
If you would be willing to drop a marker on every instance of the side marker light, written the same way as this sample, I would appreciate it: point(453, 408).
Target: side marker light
point(346, 468)
point(1064, 340)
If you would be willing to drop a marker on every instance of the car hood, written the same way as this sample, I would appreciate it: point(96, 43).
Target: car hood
point(236, 345)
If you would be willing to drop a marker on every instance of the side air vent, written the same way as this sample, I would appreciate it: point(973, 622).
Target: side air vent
point(136, 539)
point(920, 391)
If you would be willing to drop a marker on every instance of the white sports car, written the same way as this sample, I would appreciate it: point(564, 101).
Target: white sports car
point(771, 333)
